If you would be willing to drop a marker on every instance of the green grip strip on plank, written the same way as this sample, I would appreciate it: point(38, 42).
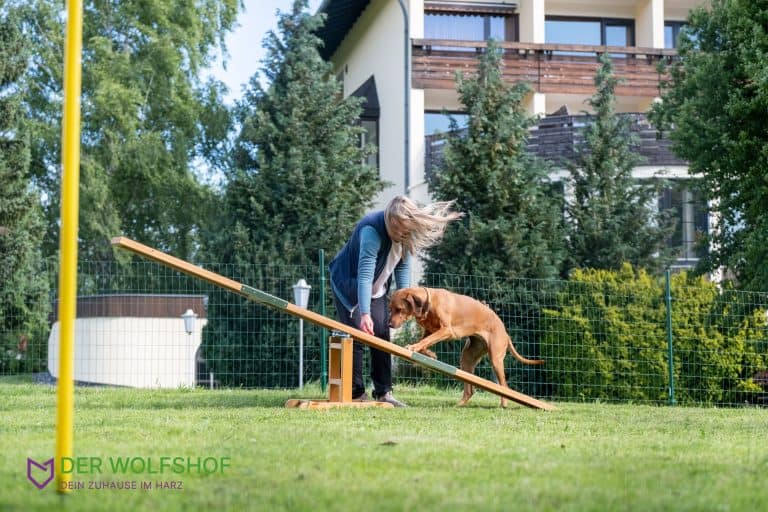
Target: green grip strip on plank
point(434, 364)
point(264, 297)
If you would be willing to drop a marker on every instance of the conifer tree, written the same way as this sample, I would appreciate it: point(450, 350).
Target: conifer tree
point(299, 183)
point(612, 216)
point(513, 225)
point(512, 231)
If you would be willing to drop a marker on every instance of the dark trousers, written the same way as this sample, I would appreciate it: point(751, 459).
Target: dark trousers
point(381, 362)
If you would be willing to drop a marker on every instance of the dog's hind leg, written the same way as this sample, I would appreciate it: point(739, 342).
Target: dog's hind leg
point(497, 362)
point(473, 351)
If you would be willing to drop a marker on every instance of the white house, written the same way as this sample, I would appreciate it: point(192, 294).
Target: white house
point(402, 55)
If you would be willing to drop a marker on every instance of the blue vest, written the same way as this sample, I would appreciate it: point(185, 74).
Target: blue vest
point(344, 266)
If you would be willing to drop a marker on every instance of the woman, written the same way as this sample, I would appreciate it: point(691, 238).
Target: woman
point(381, 246)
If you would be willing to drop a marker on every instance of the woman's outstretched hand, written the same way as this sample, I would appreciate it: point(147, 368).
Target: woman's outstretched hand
point(366, 323)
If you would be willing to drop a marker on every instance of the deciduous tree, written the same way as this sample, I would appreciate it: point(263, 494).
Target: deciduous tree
point(150, 126)
point(716, 104)
point(23, 285)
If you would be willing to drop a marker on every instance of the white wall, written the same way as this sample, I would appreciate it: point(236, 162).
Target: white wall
point(131, 351)
point(678, 10)
point(375, 46)
point(595, 8)
point(649, 24)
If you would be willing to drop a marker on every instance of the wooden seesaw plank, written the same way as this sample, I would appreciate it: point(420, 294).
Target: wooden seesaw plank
point(285, 306)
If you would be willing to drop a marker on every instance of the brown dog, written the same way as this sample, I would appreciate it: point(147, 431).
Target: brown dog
point(446, 315)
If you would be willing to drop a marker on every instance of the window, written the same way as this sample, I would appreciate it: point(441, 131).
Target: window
point(370, 136)
point(369, 119)
point(692, 220)
point(572, 31)
point(340, 82)
point(618, 33)
point(438, 122)
point(672, 33)
point(589, 31)
point(436, 127)
point(465, 27)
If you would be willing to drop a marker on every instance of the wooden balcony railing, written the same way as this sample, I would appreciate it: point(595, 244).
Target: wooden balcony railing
point(555, 138)
point(548, 68)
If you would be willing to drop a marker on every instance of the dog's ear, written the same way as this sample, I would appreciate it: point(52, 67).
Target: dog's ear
point(411, 304)
point(418, 305)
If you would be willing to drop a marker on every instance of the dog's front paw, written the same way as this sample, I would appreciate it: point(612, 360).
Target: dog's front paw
point(429, 353)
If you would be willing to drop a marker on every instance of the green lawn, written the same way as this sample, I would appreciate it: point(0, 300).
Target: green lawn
point(431, 456)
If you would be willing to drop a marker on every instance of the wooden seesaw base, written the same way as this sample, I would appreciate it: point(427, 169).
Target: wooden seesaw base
point(266, 299)
point(339, 379)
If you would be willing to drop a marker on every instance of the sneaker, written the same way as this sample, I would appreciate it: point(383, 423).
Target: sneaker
point(362, 398)
point(388, 398)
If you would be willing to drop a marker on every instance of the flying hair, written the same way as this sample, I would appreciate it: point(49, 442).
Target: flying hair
point(425, 224)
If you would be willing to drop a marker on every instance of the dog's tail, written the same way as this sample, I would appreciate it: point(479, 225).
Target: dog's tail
point(521, 358)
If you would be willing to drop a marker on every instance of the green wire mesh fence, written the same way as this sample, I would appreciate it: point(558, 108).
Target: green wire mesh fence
point(609, 336)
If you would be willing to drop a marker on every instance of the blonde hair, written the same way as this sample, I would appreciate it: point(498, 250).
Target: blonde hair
point(425, 224)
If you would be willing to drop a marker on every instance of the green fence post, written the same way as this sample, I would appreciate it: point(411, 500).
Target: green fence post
point(671, 353)
point(323, 331)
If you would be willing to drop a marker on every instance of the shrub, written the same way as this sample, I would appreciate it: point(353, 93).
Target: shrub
point(607, 339)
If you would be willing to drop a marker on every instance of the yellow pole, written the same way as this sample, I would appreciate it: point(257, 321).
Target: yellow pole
point(70, 183)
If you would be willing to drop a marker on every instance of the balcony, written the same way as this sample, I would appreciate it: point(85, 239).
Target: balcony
point(548, 68)
point(554, 138)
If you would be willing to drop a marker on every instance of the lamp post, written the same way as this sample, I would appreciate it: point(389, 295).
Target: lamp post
point(301, 299)
point(189, 317)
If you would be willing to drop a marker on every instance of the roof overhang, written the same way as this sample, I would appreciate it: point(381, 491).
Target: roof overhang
point(340, 16)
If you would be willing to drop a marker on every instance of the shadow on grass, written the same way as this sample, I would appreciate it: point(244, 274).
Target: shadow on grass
point(184, 399)
point(90, 397)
